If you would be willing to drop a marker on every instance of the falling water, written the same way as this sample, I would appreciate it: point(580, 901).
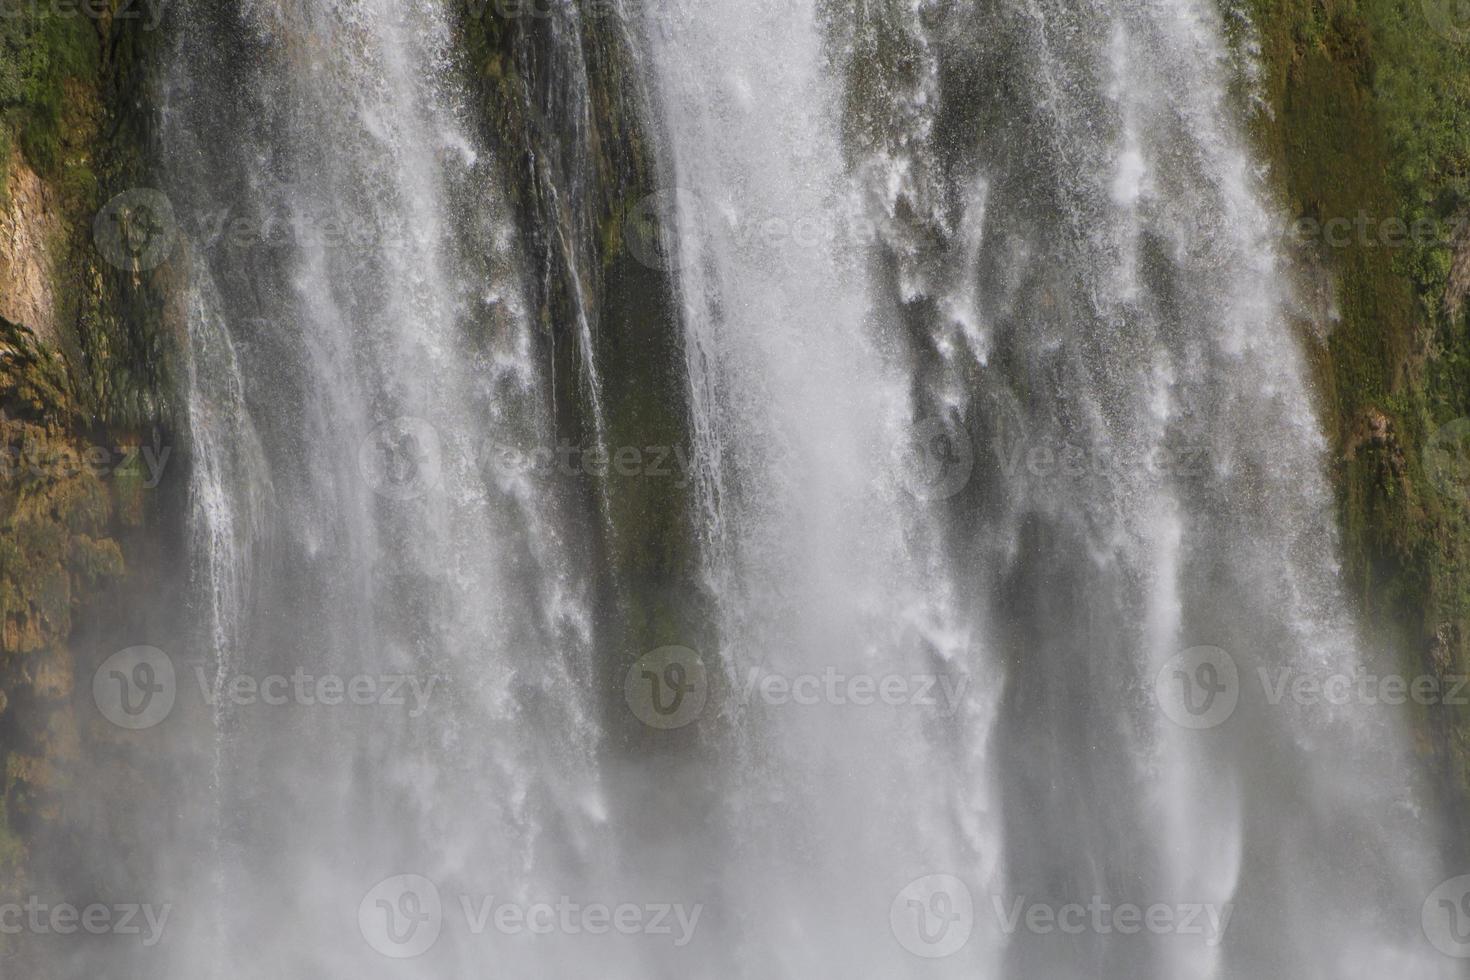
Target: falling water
point(386, 354)
point(1000, 434)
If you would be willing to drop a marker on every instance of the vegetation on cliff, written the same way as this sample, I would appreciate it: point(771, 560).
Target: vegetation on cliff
point(1366, 123)
point(81, 386)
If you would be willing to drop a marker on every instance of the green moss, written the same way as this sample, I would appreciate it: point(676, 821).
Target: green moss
point(6, 147)
point(39, 54)
point(75, 102)
point(12, 850)
point(1370, 115)
point(639, 526)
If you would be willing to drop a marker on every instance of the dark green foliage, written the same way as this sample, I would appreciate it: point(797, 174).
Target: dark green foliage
point(1369, 114)
point(39, 52)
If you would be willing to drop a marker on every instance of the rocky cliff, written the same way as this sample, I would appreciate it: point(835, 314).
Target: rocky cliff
point(85, 416)
point(1366, 123)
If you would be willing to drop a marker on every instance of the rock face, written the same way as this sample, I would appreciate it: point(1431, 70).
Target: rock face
point(1362, 124)
point(29, 227)
point(57, 549)
point(56, 506)
point(577, 206)
point(83, 362)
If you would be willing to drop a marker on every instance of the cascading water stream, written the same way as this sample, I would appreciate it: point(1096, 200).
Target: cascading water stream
point(822, 563)
point(1000, 434)
point(1095, 273)
point(386, 354)
point(1152, 482)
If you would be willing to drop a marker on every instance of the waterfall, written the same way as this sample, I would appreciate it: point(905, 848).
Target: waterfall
point(387, 358)
point(824, 559)
point(1007, 499)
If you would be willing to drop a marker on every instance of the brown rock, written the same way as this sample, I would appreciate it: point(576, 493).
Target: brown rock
point(28, 224)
